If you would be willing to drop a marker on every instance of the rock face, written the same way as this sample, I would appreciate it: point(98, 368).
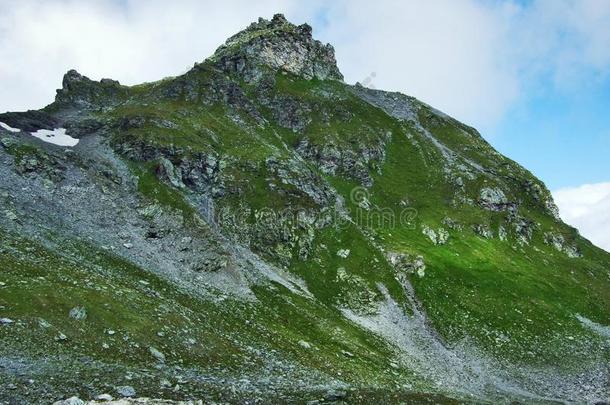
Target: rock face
point(258, 231)
point(278, 44)
point(403, 263)
point(126, 391)
point(559, 243)
point(483, 230)
point(78, 313)
point(85, 93)
point(493, 199)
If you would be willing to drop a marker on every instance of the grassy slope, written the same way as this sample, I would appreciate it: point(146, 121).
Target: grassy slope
point(40, 288)
point(519, 302)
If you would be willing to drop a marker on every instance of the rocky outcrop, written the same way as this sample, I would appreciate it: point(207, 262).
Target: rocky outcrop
point(200, 172)
point(353, 161)
point(452, 224)
point(560, 244)
point(483, 231)
point(494, 199)
point(524, 229)
point(543, 197)
point(406, 264)
point(277, 45)
point(32, 161)
point(306, 181)
point(356, 294)
point(29, 121)
point(437, 237)
point(81, 92)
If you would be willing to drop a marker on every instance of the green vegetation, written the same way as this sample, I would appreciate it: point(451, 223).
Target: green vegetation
point(468, 283)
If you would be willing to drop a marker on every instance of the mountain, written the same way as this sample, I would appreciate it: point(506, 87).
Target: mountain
point(258, 230)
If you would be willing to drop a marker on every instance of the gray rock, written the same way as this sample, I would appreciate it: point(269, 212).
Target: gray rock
point(104, 397)
point(524, 229)
point(430, 234)
point(78, 313)
point(6, 142)
point(10, 215)
point(493, 199)
point(552, 208)
point(502, 235)
point(438, 237)
point(6, 321)
point(126, 391)
point(452, 224)
point(283, 46)
point(343, 253)
point(483, 231)
point(403, 263)
point(70, 401)
point(335, 395)
point(157, 354)
point(442, 236)
point(559, 243)
point(166, 170)
point(304, 344)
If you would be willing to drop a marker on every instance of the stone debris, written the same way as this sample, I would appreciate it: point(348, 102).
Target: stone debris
point(78, 313)
point(126, 391)
point(343, 253)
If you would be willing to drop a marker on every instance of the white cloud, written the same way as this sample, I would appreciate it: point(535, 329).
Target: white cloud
point(132, 41)
point(587, 208)
point(443, 52)
point(473, 59)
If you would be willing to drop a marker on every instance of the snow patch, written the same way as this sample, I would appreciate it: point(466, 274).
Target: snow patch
point(56, 136)
point(9, 128)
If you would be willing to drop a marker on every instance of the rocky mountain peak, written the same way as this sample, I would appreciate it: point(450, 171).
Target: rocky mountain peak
point(277, 44)
point(81, 91)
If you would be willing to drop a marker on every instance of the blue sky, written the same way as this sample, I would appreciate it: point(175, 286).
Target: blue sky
point(562, 137)
point(553, 116)
point(533, 76)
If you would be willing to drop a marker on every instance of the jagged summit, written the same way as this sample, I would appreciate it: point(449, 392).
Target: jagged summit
point(265, 45)
point(81, 91)
point(278, 45)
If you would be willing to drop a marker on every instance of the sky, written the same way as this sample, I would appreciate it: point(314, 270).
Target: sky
point(532, 75)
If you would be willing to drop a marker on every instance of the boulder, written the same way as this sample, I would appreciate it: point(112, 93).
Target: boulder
point(126, 391)
point(70, 401)
point(78, 313)
point(494, 199)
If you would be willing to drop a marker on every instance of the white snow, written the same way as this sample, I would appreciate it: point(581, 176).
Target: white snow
point(9, 128)
point(56, 136)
